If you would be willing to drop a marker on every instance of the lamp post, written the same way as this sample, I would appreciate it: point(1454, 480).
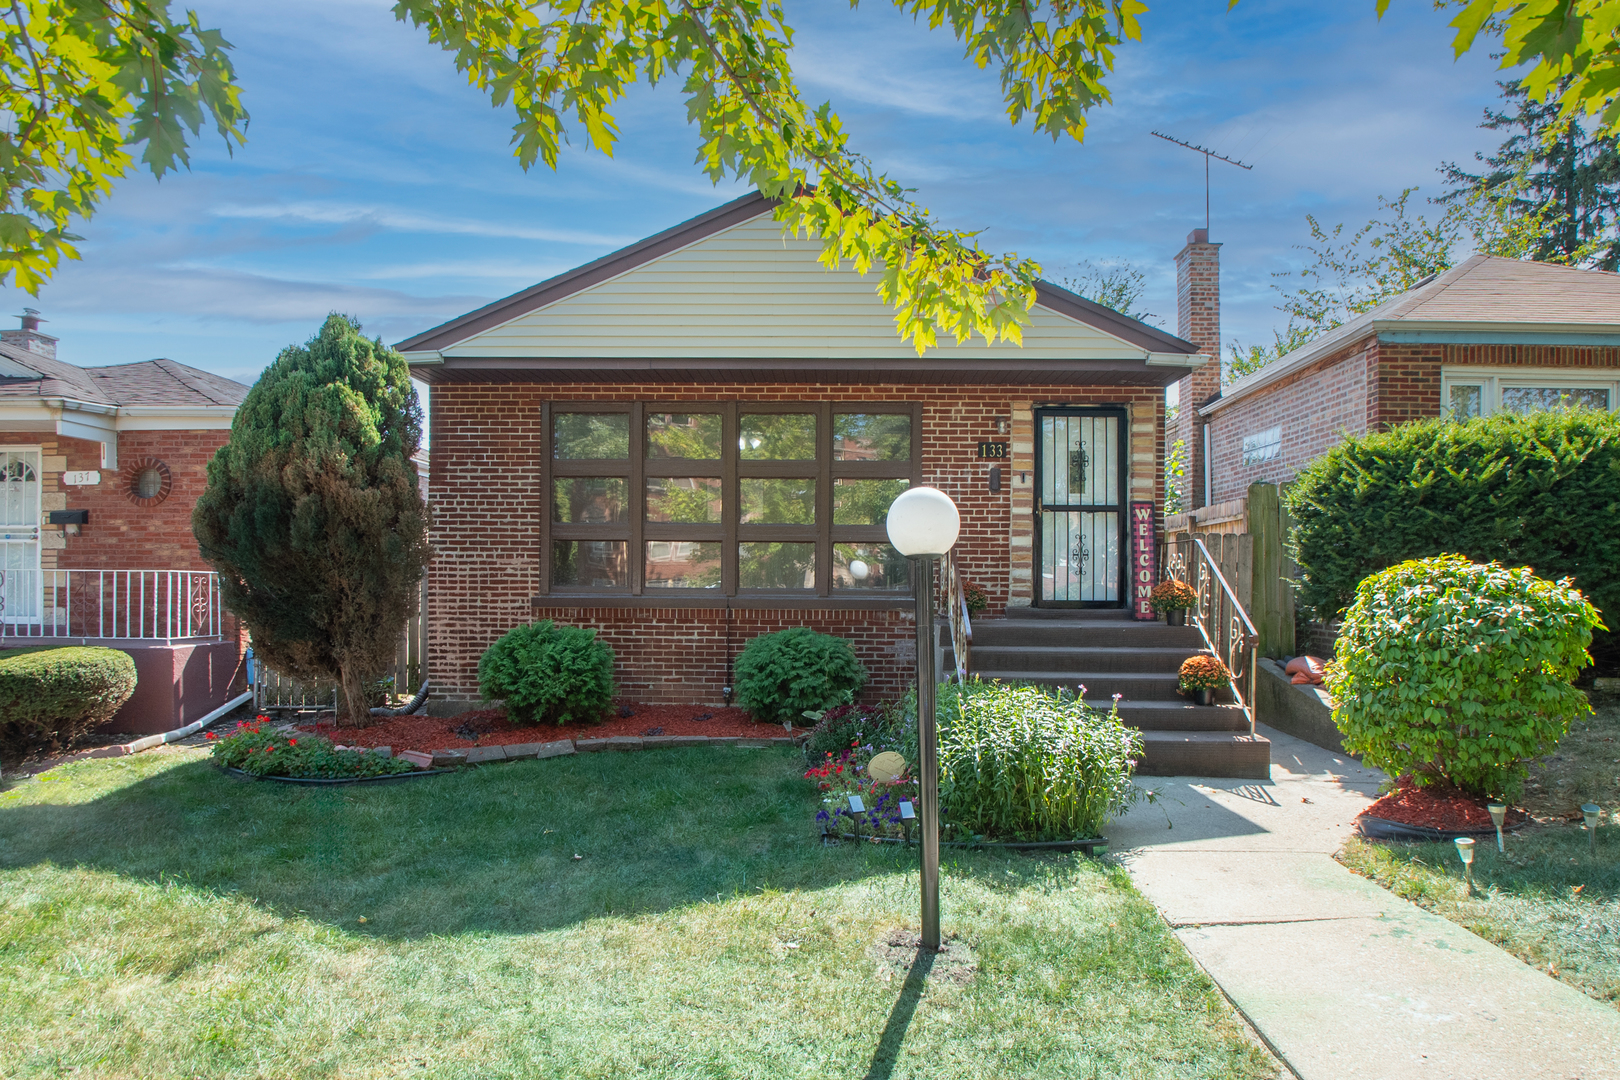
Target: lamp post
point(923, 525)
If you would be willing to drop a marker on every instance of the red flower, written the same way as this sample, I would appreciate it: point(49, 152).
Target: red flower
point(292, 742)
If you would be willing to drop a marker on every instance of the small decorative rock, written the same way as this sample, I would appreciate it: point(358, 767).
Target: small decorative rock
point(555, 749)
point(449, 758)
point(480, 754)
point(417, 758)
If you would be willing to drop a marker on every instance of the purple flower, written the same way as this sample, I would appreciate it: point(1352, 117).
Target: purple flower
point(822, 816)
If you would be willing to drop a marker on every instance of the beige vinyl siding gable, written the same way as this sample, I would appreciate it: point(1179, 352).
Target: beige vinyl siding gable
point(747, 292)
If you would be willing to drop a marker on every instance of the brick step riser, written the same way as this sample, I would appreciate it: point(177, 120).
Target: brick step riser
point(1238, 759)
point(1133, 662)
point(1147, 636)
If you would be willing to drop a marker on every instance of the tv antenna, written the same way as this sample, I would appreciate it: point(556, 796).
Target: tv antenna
point(1208, 153)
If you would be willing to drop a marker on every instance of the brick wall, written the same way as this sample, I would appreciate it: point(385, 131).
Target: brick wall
point(484, 484)
point(1314, 408)
point(1198, 320)
point(1403, 383)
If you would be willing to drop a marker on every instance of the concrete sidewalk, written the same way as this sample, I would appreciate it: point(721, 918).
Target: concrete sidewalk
point(1345, 980)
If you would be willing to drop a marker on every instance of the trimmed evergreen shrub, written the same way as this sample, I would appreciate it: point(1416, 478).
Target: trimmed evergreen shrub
point(780, 676)
point(51, 697)
point(1021, 763)
point(313, 516)
point(1540, 490)
point(546, 672)
point(1459, 672)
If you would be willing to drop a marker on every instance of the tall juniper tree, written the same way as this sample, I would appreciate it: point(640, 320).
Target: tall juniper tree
point(1545, 162)
point(312, 514)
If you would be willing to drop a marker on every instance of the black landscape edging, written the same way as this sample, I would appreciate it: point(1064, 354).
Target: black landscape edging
point(1376, 828)
point(1086, 846)
point(316, 780)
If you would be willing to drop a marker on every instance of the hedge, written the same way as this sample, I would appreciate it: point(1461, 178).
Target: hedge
point(1540, 490)
point(52, 697)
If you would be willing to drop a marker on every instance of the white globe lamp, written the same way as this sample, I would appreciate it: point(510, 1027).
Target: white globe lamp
point(859, 570)
point(923, 523)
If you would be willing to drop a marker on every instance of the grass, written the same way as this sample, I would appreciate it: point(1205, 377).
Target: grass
point(1546, 900)
point(160, 918)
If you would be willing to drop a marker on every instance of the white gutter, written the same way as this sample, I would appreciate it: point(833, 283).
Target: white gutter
point(190, 729)
point(92, 422)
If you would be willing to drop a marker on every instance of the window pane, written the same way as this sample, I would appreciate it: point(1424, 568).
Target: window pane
point(777, 437)
point(687, 436)
point(588, 500)
point(682, 564)
point(865, 502)
point(869, 566)
point(871, 437)
point(1465, 401)
point(778, 502)
point(591, 564)
point(1523, 399)
point(694, 500)
point(776, 566)
point(591, 435)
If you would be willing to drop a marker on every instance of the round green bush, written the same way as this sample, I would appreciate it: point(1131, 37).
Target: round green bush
point(781, 676)
point(546, 672)
point(49, 698)
point(1021, 763)
point(1460, 672)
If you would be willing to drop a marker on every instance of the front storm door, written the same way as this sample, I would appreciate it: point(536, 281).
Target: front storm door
point(19, 538)
point(1079, 504)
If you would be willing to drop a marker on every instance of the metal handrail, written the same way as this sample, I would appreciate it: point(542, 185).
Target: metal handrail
point(957, 610)
point(1224, 625)
point(111, 604)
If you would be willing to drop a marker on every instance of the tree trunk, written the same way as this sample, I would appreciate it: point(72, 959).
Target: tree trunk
point(357, 712)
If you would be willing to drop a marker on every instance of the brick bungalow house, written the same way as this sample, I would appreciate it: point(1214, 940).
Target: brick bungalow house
point(101, 467)
point(693, 440)
point(1487, 335)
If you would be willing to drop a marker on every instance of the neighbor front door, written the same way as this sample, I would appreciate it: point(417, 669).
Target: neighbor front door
point(19, 538)
point(1079, 506)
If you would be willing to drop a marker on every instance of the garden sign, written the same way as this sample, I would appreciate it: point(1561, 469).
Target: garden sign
point(1143, 558)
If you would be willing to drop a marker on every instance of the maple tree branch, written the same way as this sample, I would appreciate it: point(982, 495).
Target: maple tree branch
point(39, 75)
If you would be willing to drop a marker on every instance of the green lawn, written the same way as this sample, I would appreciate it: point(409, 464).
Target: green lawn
point(1546, 900)
point(158, 918)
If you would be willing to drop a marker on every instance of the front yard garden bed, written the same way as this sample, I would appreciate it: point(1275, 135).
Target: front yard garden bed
point(652, 914)
point(1434, 812)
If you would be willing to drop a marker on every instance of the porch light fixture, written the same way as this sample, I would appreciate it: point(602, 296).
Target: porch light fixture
point(859, 570)
point(923, 524)
point(1591, 813)
point(1498, 813)
point(1465, 852)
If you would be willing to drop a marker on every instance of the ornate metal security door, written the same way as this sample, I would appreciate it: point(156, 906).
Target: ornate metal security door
point(19, 537)
point(1079, 503)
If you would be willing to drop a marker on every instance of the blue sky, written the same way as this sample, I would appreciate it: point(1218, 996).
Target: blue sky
point(376, 182)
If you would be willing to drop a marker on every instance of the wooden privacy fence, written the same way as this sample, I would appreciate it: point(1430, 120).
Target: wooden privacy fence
point(1247, 540)
point(273, 690)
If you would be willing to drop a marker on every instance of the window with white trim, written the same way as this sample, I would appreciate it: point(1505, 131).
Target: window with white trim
point(1469, 392)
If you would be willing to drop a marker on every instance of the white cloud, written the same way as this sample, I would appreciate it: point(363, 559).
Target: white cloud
point(405, 221)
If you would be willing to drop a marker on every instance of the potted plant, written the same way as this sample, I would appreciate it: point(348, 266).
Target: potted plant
point(1172, 598)
point(1201, 676)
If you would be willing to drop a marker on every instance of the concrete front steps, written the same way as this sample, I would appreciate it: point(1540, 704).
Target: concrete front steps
point(1109, 653)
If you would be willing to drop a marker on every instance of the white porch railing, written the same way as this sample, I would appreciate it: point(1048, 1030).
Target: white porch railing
point(132, 604)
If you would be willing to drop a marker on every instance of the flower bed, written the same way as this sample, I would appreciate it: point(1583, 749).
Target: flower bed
point(490, 727)
point(839, 778)
point(307, 757)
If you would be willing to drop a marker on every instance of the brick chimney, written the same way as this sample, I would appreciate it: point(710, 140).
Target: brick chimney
point(1198, 320)
point(29, 336)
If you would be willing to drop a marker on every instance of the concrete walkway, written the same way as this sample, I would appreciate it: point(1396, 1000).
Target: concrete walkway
point(1344, 980)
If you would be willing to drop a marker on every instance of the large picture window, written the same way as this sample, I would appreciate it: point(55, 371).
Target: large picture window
point(726, 498)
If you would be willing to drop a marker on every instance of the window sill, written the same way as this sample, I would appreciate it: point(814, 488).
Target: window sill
point(750, 602)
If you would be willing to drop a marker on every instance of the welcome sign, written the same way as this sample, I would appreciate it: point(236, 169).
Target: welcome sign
point(1144, 556)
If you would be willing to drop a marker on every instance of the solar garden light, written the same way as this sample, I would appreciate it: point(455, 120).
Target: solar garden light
point(1465, 852)
point(923, 524)
point(908, 817)
point(1498, 815)
point(857, 805)
point(1590, 813)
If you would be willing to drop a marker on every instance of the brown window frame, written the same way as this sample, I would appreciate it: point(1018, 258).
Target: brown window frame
point(636, 531)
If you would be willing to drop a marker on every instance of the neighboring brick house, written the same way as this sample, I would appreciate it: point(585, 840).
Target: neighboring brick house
point(1487, 335)
point(101, 468)
point(693, 441)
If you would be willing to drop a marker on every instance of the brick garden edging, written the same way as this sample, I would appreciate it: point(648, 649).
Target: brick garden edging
point(479, 755)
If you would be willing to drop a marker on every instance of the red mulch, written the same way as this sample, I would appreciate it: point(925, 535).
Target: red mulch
point(489, 727)
point(1436, 807)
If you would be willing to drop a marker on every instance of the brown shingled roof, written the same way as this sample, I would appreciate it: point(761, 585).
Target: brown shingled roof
point(148, 382)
